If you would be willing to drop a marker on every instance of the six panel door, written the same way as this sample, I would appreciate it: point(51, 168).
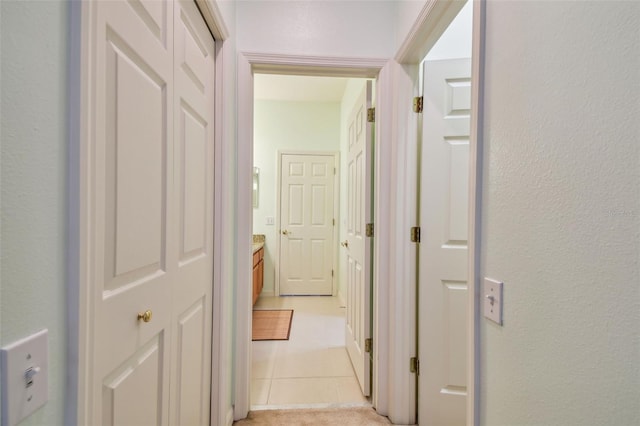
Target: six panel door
point(306, 224)
point(444, 216)
point(151, 189)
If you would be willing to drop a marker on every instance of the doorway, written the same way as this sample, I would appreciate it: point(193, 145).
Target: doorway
point(300, 141)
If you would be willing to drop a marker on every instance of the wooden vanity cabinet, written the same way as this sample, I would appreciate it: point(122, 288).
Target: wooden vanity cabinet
point(258, 273)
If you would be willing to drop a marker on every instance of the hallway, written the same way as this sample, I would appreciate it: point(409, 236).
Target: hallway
point(312, 368)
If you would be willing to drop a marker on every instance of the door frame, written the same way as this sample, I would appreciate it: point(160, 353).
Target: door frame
point(336, 212)
point(432, 21)
point(381, 69)
point(79, 293)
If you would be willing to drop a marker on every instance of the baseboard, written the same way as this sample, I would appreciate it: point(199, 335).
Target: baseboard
point(341, 299)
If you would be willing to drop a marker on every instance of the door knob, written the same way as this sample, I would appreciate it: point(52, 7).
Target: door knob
point(145, 316)
point(285, 232)
point(345, 243)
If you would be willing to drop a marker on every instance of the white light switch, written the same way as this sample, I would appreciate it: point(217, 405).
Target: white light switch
point(25, 383)
point(492, 295)
point(270, 220)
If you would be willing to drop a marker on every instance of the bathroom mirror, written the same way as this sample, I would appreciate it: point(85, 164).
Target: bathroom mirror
point(256, 186)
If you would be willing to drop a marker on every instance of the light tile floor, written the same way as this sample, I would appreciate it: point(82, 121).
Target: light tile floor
point(312, 367)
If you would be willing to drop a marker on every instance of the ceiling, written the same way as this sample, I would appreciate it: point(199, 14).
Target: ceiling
point(299, 88)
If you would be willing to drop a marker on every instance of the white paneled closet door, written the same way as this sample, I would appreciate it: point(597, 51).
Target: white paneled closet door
point(193, 183)
point(151, 208)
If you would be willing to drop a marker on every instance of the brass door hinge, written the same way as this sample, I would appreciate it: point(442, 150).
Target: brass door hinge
point(371, 115)
point(414, 365)
point(417, 104)
point(415, 234)
point(332, 272)
point(368, 345)
point(369, 230)
point(334, 222)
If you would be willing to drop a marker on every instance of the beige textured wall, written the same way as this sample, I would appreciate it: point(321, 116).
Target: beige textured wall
point(33, 137)
point(561, 213)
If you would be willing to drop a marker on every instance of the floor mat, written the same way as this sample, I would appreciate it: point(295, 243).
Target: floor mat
point(272, 324)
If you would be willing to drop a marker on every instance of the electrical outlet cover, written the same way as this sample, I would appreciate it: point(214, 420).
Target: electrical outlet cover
point(20, 399)
point(492, 296)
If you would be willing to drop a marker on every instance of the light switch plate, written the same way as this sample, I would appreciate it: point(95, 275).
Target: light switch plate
point(25, 377)
point(270, 220)
point(492, 296)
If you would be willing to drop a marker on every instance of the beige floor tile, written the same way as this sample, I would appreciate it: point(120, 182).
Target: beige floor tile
point(263, 359)
point(313, 366)
point(339, 363)
point(302, 363)
point(349, 390)
point(303, 391)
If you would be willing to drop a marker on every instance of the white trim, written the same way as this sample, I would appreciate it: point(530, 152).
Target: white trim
point(336, 213)
point(244, 229)
point(403, 278)
point(475, 212)
point(383, 373)
point(228, 419)
point(434, 18)
point(325, 66)
point(276, 257)
point(213, 17)
point(221, 341)
point(79, 295)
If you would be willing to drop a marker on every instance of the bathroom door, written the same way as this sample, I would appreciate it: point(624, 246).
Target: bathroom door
point(307, 223)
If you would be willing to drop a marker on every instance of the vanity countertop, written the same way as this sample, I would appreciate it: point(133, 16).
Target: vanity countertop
point(258, 242)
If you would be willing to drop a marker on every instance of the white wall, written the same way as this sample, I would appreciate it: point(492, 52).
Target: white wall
point(332, 28)
point(406, 12)
point(286, 125)
point(561, 213)
point(455, 42)
point(33, 141)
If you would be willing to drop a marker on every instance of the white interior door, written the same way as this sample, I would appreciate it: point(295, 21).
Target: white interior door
point(307, 223)
point(193, 206)
point(357, 247)
point(443, 249)
point(150, 186)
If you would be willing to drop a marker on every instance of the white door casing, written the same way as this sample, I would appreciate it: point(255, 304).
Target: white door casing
point(357, 247)
point(151, 191)
point(248, 63)
point(444, 218)
point(307, 223)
